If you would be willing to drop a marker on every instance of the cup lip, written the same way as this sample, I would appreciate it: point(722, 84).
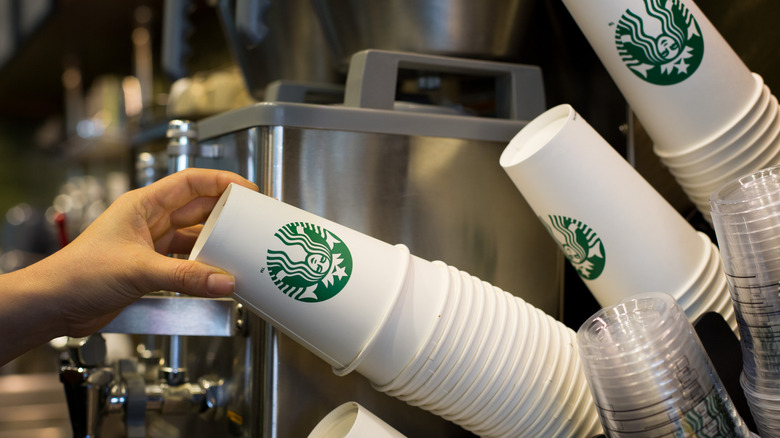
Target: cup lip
point(383, 321)
point(212, 221)
point(748, 153)
point(399, 383)
point(520, 148)
point(345, 413)
point(709, 151)
point(717, 201)
point(657, 329)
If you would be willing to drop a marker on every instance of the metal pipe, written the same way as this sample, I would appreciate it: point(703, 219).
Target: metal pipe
point(182, 149)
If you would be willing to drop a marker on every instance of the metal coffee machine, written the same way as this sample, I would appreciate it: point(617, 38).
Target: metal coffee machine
point(398, 159)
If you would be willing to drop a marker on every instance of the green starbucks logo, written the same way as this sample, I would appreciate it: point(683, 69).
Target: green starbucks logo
point(309, 263)
point(579, 243)
point(664, 46)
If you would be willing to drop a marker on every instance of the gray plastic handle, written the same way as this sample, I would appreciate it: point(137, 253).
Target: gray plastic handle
point(372, 77)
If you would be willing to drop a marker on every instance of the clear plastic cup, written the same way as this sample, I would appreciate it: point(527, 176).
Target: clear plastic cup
point(669, 385)
point(746, 218)
point(764, 403)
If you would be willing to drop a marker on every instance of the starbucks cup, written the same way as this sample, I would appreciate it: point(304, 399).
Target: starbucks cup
point(617, 231)
point(682, 79)
point(352, 420)
point(330, 288)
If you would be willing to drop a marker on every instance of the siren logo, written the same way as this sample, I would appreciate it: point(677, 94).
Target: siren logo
point(580, 245)
point(664, 45)
point(310, 263)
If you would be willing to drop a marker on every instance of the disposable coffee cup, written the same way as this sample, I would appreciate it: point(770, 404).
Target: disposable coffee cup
point(722, 142)
point(413, 320)
point(352, 420)
point(681, 78)
point(617, 231)
point(327, 286)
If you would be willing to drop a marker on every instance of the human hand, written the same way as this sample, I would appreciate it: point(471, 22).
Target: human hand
point(122, 255)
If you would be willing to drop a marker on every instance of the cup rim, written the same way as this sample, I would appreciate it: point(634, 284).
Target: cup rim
point(748, 152)
point(739, 117)
point(719, 203)
point(536, 134)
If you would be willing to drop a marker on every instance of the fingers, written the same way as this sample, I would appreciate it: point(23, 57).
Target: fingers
point(194, 212)
point(189, 277)
point(183, 240)
point(177, 190)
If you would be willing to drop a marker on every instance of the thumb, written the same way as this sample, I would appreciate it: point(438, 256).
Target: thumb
point(191, 278)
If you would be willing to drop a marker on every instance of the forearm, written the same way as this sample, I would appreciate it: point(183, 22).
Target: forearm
point(28, 313)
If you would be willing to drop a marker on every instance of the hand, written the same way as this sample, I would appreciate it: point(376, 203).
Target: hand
point(120, 257)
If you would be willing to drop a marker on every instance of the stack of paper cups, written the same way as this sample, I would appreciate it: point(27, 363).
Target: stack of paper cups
point(710, 118)
point(352, 420)
point(617, 231)
point(499, 367)
point(421, 331)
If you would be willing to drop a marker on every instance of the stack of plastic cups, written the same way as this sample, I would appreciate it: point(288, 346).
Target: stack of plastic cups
point(352, 420)
point(709, 117)
point(746, 217)
point(649, 374)
point(617, 231)
point(421, 331)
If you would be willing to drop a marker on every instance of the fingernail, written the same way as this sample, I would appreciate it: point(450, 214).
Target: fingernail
point(220, 284)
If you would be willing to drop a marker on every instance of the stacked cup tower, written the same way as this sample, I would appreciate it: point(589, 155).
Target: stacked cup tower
point(746, 217)
point(618, 232)
point(424, 332)
point(649, 374)
point(710, 118)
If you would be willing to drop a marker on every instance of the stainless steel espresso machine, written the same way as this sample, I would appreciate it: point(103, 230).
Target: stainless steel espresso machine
point(409, 155)
point(403, 172)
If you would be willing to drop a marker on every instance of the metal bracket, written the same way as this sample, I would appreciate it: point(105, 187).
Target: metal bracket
point(183, 316)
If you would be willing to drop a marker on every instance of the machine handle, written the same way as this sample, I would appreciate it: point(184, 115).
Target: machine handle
point(373, 74)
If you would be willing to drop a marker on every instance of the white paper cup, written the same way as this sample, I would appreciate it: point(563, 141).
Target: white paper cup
point(402, 383)
point(619, 233)
point(744, 151)
point(427, 381)
point(325, 285)
point(467, 376)
point(685, 84)
point(725, 140)
point(497, 391)
point(468, 355)
point(352, 420)
point(411, 323)
point(753, 155)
